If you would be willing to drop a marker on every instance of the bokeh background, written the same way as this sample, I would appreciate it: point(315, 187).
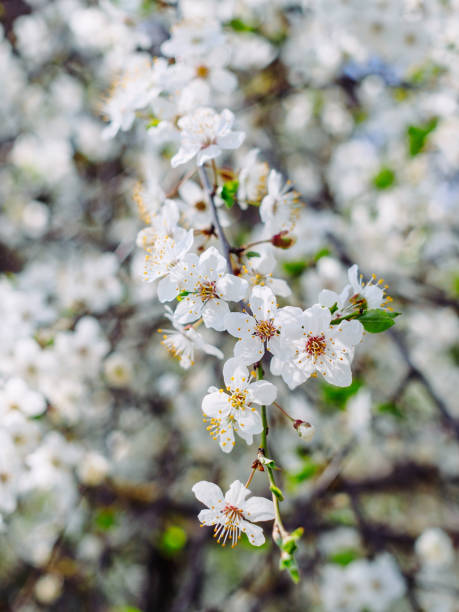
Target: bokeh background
point(357, 103)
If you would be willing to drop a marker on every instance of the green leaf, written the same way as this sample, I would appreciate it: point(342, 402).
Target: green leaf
point(294, 268)
point(277, 492)
point(377, 320)
point(309, 469)
point(289, 544)
point(390, 408)
point(229, 192)
point(105, 519)
point(338, 396)
point(181, 295)
point(344, 557)
point(173, 539)
point(384, 179)
point(321, 253)
point(454, 353)
point(241, 26)
point(417, 136)
point(154, 121)
point(252, 254)
point(287, 562)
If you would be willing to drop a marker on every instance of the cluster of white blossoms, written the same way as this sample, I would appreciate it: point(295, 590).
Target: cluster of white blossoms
point(222, 286)
point(274, 358)
point(375, 585)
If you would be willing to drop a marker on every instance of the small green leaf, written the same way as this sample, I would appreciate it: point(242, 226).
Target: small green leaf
point(309, 469)
point(173, 539)
point(241, 26)
point(321, 253)
point(289, 544)
point(390, 408)
point(287, 562)
point(277, 492)
point(154, 122)
point(384, 179)
point(105, 519)
point(252, 254)
point(377, 320)
point(454, 353)
point(344, 557)
point(229, 192)
point(181, 295)
point(294, 268)
point(417, 136)
point(338, 396)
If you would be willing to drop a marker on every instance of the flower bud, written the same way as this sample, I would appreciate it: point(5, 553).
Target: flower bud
point(305, 430)
point(282, 240)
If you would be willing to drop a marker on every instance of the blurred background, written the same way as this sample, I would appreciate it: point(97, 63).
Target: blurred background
point(101, 433)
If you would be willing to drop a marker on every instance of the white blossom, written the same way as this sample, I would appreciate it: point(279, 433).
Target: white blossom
point(252, 180)
point(232, 411)
point(233, 514)
point(182, 342)
point(16, 395)
point(434, 548)
point(206, 286)
point(311, 344)
point(356, 294)
point(258, 331)
point(165, 242)
point(206, 133)
point(279, 209)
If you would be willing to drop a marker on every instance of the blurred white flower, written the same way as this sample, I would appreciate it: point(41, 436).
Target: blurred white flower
point(93, 469)
point(434, 548)
point(206, 133)
point(48, 588)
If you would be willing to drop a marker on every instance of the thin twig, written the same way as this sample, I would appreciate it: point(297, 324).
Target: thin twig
point(221, 234)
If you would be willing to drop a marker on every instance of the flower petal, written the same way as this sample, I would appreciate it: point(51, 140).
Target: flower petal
point(235, 375)
point(216, 405)
point(259, 509)
point(291, 375)
point(211, 263)
point(227, 437)
point(233, 140)
point(316, 319)
point(236, 494)
point(262, 392)
point(263, 303)
point(214, 313)
point(168, 289)
point(349, 332)
point(208, 517)
point(240, 325)
point(232, 288)
point(184, 154)
point(189, 309)
point(328, 298)
point(254, 533)
point(337, 373)
point(249, 350)
point(210, 152)
point(208, 493)
point(250, 424)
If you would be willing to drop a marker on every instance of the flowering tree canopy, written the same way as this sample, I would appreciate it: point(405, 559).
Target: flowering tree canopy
point(199, 201)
